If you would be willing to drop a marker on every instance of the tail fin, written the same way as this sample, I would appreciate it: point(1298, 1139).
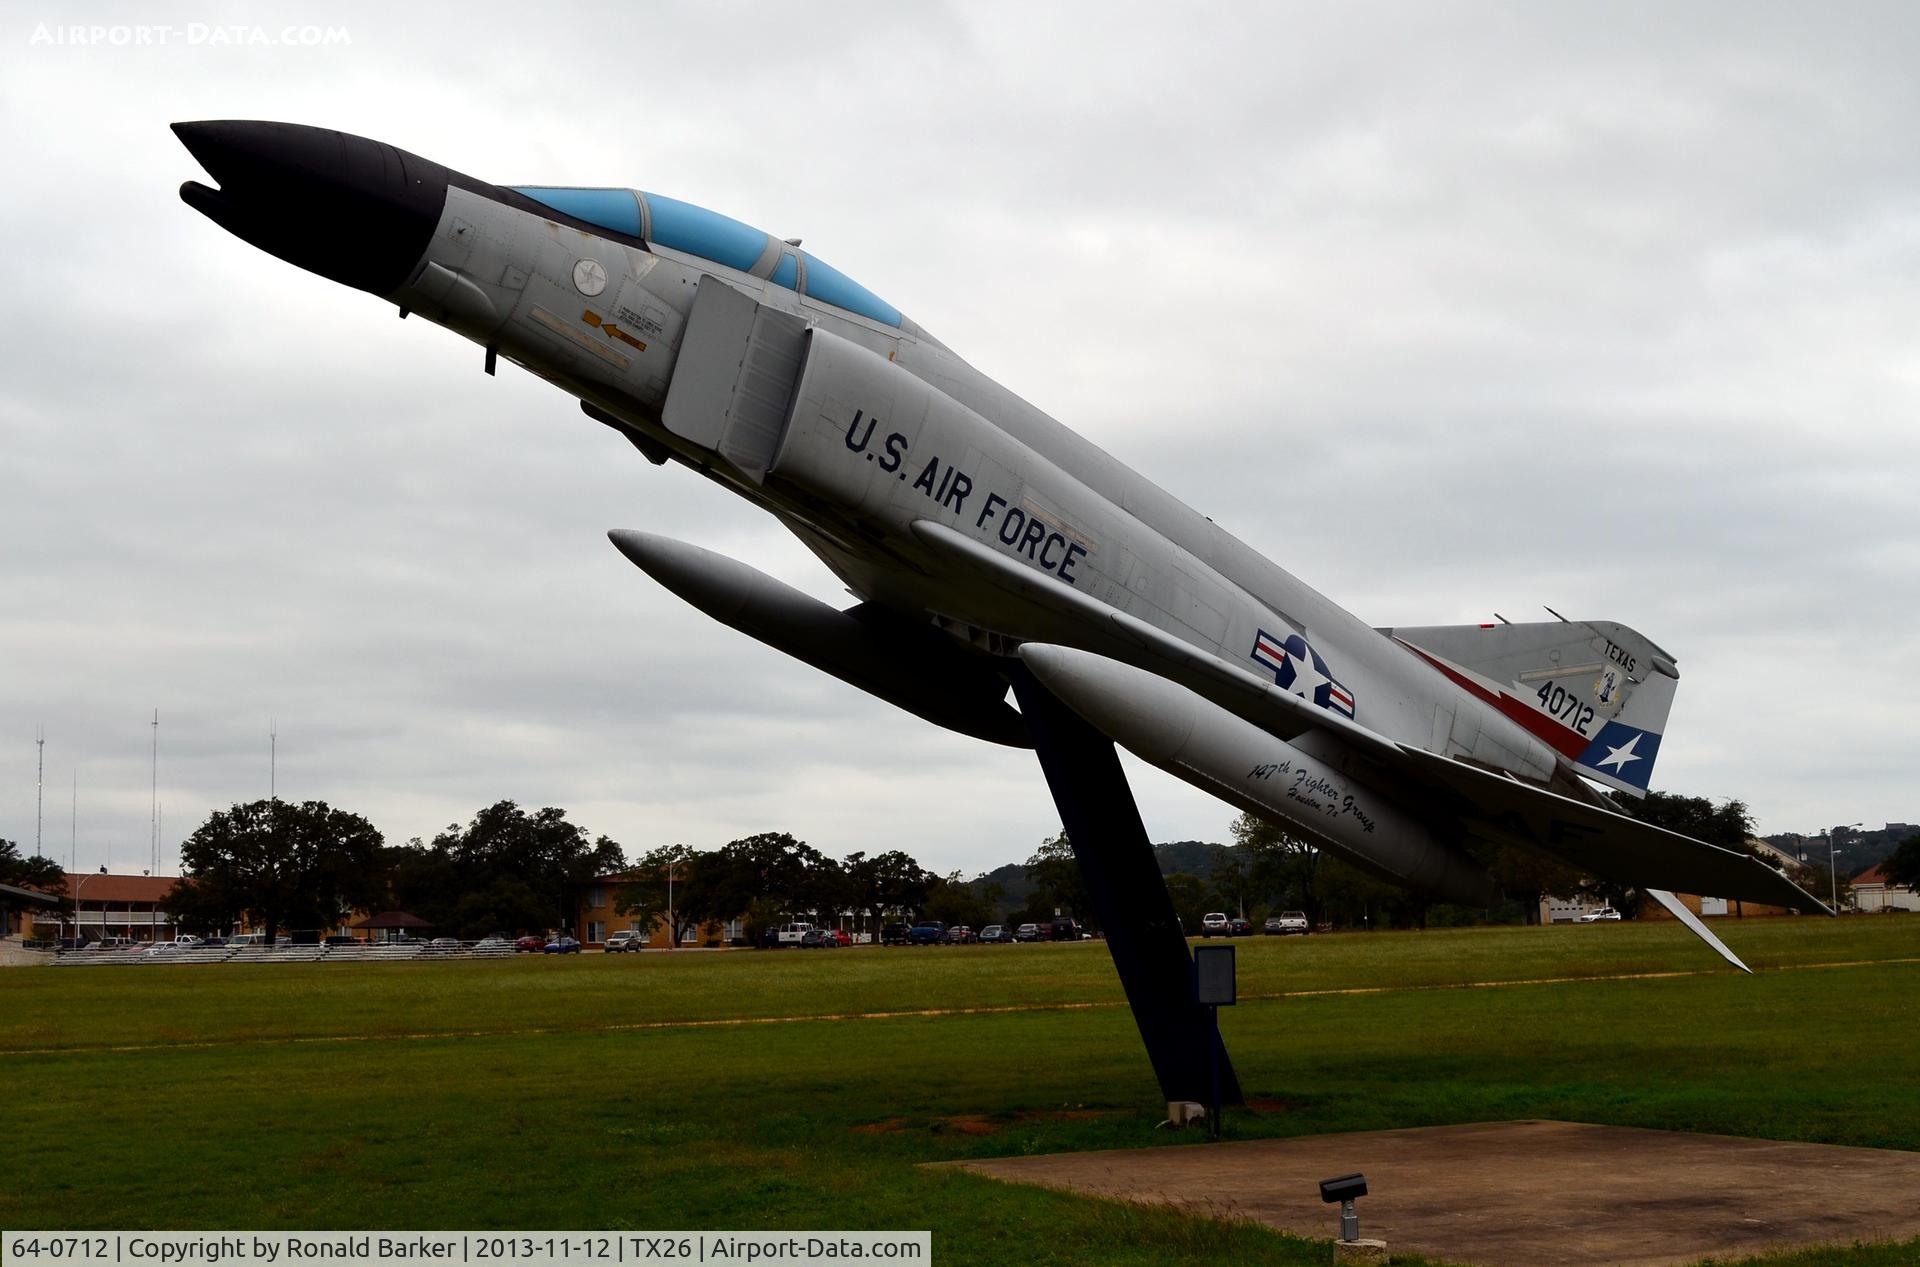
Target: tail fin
point(1596, 691)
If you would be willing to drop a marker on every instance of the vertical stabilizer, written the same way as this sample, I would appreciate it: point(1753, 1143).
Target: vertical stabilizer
point(1597, 692)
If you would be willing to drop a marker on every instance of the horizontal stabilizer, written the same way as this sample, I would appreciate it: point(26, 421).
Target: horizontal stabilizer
point(1608, 844)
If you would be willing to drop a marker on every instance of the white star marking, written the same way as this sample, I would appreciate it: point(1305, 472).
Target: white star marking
point(1618, 757)
point(1306, 678)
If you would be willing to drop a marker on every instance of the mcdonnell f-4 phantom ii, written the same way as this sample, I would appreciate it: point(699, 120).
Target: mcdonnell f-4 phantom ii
point(993, 548)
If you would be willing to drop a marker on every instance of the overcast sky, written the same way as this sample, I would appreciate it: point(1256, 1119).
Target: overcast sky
point(1450, 309)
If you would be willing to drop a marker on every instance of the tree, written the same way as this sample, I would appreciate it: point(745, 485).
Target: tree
point(1527, 877)
point(825, 891)
point(1282, 867)
point(506, 869)
point(282, 864)
point(886, 882)
point(199, 905)
point(1904, 866)
point(1191, 899)
point(654, 892)
point(1057, 882)
point(43, 875)
point(758, 878)
point(1352, 896)
point(1727, 824)
point(952, 901)
point(1230, 887)
point(1823, 883)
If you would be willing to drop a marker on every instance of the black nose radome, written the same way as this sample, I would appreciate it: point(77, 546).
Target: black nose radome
point(360, 212)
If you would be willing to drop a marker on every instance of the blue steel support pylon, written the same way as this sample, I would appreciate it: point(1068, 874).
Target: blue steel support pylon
point(1129, 896)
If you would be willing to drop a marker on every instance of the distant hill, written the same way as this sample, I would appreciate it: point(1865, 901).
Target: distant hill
point(1014, 886)
point(1855, 849)
point(1191, 857)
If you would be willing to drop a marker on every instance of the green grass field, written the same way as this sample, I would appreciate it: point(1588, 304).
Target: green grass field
point(796, 1090)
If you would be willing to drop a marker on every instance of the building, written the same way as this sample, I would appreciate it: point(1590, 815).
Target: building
point(1872, 891)
point(1712, 907)
point(120, 905)
point(21, 909)
point(1782, 856)
point(595, 920)
point(1563, 910)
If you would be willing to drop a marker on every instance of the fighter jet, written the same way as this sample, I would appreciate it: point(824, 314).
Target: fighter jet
point(993, 549)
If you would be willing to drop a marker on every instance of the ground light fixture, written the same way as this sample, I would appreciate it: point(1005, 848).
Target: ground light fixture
point(1345, 1189)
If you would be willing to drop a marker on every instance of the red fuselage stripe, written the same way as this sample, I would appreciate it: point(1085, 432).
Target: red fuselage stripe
point(1564, 740)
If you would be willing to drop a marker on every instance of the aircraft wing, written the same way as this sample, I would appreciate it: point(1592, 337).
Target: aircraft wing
point(1111, 632)
point(1605, 843)
point(1600, 841)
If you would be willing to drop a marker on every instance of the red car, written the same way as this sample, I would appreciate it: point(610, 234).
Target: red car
point(532, 945)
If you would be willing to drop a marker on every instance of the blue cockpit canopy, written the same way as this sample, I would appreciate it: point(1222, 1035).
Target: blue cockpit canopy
point(681, 226)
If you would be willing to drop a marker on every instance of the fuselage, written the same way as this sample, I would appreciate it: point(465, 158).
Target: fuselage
point(863, 437)
point(1001, 470)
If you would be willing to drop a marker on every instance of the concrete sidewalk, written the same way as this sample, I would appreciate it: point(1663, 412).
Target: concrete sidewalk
point(1522, 1194)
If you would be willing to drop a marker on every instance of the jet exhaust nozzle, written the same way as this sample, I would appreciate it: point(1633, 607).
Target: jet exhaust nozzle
point(356, 211)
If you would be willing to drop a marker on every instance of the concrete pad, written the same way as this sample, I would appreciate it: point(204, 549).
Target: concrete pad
point(1518, 1194)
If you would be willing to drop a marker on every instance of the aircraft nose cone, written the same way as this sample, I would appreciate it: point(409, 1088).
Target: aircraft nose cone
point(358, 211)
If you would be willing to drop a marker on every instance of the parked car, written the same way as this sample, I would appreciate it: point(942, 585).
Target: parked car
point(246, 939)
point(1239, 926)
point(840, 935)
point(530, 945)
point(1064, 928)
point(624, 940)
point(341, 939)
point(791, 934)
point(819, 939)
point(561, 946)
point(895, 934)
point(1287, 922)
point(439, 945)
point(996, 934)
point(213, 943)
point(960, 935)
point(1215, 924)
point(187, 941)
point(495, 941)
point(1603, 915)
point(1028, 932)
point(929, 933)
